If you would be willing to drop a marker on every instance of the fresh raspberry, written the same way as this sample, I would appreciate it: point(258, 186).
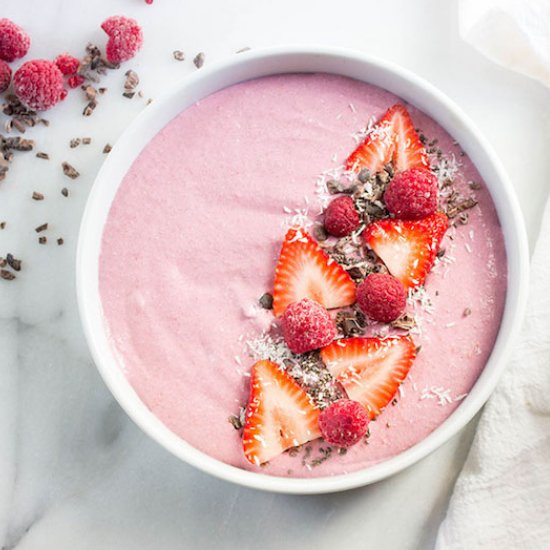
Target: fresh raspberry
point(5, 76)
point(307, 325)
point(344, 422)
point(341, 218)
point(39, 84)
point(125, 38)
point(412, 194)
point(382, 297)
point(14, 41)
point(67, 64)
point(75, 81)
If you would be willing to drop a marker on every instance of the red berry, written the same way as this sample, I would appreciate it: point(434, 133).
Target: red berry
point(39, 84)
point(75, 81)
point(5, 76)
point(14, 41)
point(67, 64)
point(344, 423)
point(307, 325)
point(125, 38)
point(382, 297)
point(412, 194)
point(341, 218)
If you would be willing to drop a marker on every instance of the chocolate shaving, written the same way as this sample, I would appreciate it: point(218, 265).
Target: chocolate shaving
point(407, 322)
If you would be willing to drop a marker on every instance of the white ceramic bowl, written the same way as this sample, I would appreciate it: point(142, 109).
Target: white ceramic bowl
point(260, 63)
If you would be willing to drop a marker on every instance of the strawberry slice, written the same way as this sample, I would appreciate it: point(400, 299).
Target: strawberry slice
point(377, 148)
point(370, 369)
point(408, 248)
point(393, 138)
point(279, 415)
point(409, 151)
point(304, 270)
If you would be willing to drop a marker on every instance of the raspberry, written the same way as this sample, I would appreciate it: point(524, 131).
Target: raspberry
point(344, 422)
point(67, 64)
point(125, 38)
point(75, 81)
point(307, 325)
point(341, 218)
point(5, 76)
point(14, 41)
point(39, 84)
point(412, 194)
point(382, 297)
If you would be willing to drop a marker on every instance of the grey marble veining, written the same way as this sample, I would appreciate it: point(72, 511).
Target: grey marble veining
point(75, 472)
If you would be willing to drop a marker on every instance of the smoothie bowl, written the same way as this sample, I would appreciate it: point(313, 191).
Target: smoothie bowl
point(301, 270)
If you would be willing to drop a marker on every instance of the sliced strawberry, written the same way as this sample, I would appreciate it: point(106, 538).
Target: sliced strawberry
point(306, 271)
point(279, 415)
point(370, 369)
point(409, 151)
point(393, 138)
point(408, 248)
point(377, 149)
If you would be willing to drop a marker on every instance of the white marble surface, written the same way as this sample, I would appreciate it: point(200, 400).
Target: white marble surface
point(74, 471)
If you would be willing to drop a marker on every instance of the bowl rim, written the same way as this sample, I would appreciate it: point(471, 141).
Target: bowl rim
point(255, 64)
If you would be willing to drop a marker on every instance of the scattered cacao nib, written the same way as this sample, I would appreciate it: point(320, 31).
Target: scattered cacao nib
point(179, 55)
point(364, 175)
point(37, 196)
point(474, 185)
point(89, 109)
point(198, 60)
point(69, 170)
point(418, 349)
point(441, 252)
point(7, 275)
point(41, 228)
point(42, 240)
point(319, 233)
point(266, 301)
point(65, 192)
point(407, 322)
point(325, 454)
point(235, 422)
point(42, 155)
point(20, 117)
point(86, 140)
point(7, 147)
point(3, 225)
point(107, 149)
point(3, 262)
point(457, 208)
point(129, 95)
point(394, 401)
point(60, 241)
point(14, 263)
point(334, 187)
point(102, 90)
point(467, 312)
point(245, 49)
point(75, 142)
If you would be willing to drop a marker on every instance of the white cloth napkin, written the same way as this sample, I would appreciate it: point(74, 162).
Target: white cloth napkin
point(502, 497)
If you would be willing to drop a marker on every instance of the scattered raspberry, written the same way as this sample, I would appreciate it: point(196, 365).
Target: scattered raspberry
point(67, 64)
point(14, 41)
point(39, 84)
point(125, 38)
point(382, 297)
point(5, 76)
point(412, 194)
point(307, 325)
point(344, 423)
point(75, 81)
point(341, 218)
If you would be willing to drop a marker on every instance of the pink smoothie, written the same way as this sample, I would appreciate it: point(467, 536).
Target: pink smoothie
point(191, 243)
